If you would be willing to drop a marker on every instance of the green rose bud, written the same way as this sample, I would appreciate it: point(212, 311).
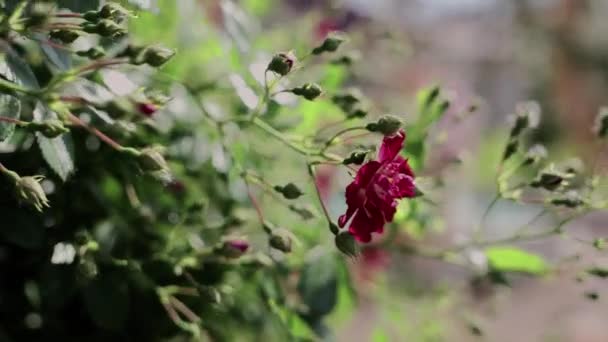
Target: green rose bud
point(40, 13)
point(289, 191)
point(91, 16)
point(157, 55)
point(345, 242)
point(50, 128)
point(282, 63)
point(92, 53)
point(387, 125)
point(104, 28)
point(29, 191)
point(330, 44)
point(309, 91)
point(281, 239)
point(113, 11)
point(357, 158)
point(150, 159)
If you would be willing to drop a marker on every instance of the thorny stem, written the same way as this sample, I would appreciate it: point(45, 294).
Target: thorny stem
point(96, 132)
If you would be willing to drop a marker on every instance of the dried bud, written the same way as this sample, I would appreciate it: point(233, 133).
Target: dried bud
point(330, 44)
point(65, 36)
point(29, 190)
point(40, 13)
point(95, 52)
point(601, 123)
point(147, 109)
point(345, 242)
point(387, 125)
point(528, 116)
point(357, 158)
point(510, 149)
point(305, 212)
point(234, 248)
point(50, 128)
point(309, 91)
point(289, 191)
point(282, 63)
point(550, 179)
point(535, 155)
point(571, 199)
point(280, 238)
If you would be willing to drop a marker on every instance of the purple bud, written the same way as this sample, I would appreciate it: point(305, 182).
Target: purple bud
point(147, 109)
point(235, 248)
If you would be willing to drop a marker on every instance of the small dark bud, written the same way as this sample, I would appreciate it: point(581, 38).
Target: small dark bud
point(282, 63)
point(305, 212)
point(281, 239)
point(387, 125)
point(357, 158)
point(65, 36)
point(348, 59)
point(431, 96)
point(92, 53)
point(234, 248)
point(147, 109)
point(309, 91)
point(571, 199)
point(40, 13)
point(348, 99)
point(601, 123)
point(510, 149)
point(91, 16)
point(527, 116)
point(114, 11)
point(345, 242)
point(550, 179)
point(289, 191)
point(29, 191)
point(535, 155)
point(592, 295)
point(330, 44)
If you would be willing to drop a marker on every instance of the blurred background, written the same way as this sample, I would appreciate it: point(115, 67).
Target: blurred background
point(487, 54)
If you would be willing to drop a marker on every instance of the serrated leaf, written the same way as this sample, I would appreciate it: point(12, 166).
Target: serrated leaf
point(510, 259)
point(55, 151)
point(10, 107)
point(20, 70)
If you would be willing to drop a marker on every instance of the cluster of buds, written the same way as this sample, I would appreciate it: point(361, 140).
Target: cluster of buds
point(153, 55)
point(387, 125)
point(95, 52)
point(330, 44)
point(282, 63)
point(289, 191)
point(352, 102)
point(109, 11)
point(309, 91)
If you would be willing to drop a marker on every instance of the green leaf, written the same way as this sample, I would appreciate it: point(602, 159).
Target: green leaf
point(55, 151)
point(60, 58)
point(107, 301)
point(20, 71)
point(509, 259)
point(318, 284)
point(10, 107)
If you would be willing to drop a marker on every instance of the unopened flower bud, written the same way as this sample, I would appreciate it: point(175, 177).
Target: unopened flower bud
point(387, 125)
point(282, 63)
point(29, 191)
point(345, 242)
point(40, 13)
point(234, 248)
point(348, 59)
point(305, 212)
point(357, 158)
point(348, 99)
point(113, 11)
point(51, 128)
point(601, 123)
point(510, 149)
point(149, 159)
point(309, 91)
point(333, 228)
point(104, 28)
point(91, 16)
point(147, 109)
point(157, 55)
point(527, 116)
point(330, 44)
point(535, 155)
point(280, 238)
point(289, 191)
point(65, 36)
point(95, 52)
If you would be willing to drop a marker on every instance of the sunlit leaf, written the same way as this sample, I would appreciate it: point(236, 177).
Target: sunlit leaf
point(55, 151)
point(510, 259)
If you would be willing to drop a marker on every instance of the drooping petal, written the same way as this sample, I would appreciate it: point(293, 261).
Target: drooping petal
point(391, 146)
point(365, 223)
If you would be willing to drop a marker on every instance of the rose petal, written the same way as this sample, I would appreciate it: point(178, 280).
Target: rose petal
point(391, 146)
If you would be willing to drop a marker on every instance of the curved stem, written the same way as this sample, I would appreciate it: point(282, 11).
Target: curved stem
point(95, 132)
point(330, 141)
point(311, 172)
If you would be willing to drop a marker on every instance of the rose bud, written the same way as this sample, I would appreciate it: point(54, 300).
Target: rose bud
point(387, 125)
point(289, 191)
point(345, 242)
point(65, 36)
point(147, 108)
point(330, 44)
point(309, 91)
point(280, 239)
point(282, 63)
point(157, 55)
point(234, 248)
point(29, 190)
